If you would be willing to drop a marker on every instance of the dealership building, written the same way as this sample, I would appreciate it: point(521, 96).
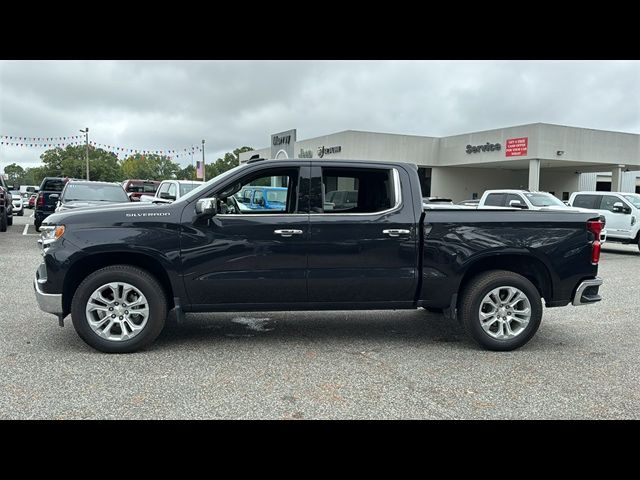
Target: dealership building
point(539, 156)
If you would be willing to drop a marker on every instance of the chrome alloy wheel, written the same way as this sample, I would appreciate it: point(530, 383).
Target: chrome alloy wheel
point(117, 311)
point(505, 312)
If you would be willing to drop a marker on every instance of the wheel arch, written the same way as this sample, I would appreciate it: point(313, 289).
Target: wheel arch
point(528, 266)
point(87, 265)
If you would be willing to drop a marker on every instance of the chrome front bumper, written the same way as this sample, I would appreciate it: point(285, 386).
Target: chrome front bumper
point(586, 293)
point(48, 302)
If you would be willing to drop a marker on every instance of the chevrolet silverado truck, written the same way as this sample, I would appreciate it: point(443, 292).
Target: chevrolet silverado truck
point(119, 270)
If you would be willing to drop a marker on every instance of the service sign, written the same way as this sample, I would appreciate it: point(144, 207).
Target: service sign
point(516, 147)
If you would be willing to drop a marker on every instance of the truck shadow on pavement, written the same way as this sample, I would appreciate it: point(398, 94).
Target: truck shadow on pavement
point(286, 327)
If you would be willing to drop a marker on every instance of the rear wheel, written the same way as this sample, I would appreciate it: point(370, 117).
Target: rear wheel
point(3, 221)
point(37, 223)
point(10, 219)
point(501, 310)
point(119, 309)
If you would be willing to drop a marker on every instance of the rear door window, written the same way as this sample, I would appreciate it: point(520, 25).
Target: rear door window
point(586, 201)
point(495, 200)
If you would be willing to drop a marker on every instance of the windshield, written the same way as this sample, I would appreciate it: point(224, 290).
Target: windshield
point(543, 200)
point(276, 196)
point(634, 199)
point(15, 193)
point(97, 193)
point(204, 186)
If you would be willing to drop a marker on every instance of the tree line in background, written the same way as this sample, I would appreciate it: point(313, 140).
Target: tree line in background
point(105, 166)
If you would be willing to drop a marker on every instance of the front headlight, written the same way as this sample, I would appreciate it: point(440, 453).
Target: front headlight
point(50, 233)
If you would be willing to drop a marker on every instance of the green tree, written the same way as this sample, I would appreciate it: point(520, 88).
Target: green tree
point(149, 167)
point(187, 173)
point(34, 175)
point(14, 173)
point(71, 162)
point(230, 160)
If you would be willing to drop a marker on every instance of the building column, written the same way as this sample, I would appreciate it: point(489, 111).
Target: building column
point(534, 174)
point(616, 178)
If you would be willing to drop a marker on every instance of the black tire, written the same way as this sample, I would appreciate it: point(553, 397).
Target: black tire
point(10, 220)
point(140, 279)
point(3, 221)
point(474, 293)
point(37, 223)
point(21, 213)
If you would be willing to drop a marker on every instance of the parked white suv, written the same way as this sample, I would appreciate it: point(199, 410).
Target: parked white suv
point(18, 204)
point(621, 211)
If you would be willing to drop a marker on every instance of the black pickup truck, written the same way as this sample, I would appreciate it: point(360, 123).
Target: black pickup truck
point(118, 270)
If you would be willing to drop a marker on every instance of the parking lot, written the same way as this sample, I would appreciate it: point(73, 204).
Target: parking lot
point(584, 363)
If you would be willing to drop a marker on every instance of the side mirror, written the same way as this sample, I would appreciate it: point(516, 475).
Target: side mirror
point(517, 204)
point(619, 207)
point(207, 206)
point(166, 196)
point(53, 196)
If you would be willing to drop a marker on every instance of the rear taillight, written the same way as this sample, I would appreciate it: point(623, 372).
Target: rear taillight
point(595, 227)
point(41, 200)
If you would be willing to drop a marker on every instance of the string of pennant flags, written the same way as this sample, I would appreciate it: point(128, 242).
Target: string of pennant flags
point(48, 142)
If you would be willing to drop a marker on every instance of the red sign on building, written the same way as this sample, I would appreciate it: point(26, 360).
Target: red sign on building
point(516, 147)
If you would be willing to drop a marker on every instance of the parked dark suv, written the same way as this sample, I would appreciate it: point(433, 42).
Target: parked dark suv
point(6, 205)
point(47, 199)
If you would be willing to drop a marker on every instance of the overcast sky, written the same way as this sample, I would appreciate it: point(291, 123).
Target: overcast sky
point(152, 105)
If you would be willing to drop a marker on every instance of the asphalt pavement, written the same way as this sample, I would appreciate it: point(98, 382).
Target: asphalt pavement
point(583, 363)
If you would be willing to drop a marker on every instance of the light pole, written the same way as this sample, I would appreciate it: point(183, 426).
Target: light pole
point(204, 171)
point(86, 137)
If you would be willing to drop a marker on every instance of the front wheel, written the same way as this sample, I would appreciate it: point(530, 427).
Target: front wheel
point(3, 221)
point(10, 220)
point(21, 213)
point(119, 309)
point(37, 223)
point(501, 310)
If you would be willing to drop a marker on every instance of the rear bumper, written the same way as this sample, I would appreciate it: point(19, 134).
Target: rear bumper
point(587, 292)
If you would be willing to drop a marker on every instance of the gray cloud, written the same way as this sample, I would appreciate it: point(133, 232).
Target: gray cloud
point(173, 104)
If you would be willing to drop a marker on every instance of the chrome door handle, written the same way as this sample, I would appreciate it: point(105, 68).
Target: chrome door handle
point(394, 232)
point(287, 233)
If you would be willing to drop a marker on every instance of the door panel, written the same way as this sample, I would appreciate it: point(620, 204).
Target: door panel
point(239, 259)
point(352, 260)
point(617, 223)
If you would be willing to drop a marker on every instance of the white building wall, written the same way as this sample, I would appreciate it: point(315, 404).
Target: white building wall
point(558, 182)
point(461, 183)
point(587, 182)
